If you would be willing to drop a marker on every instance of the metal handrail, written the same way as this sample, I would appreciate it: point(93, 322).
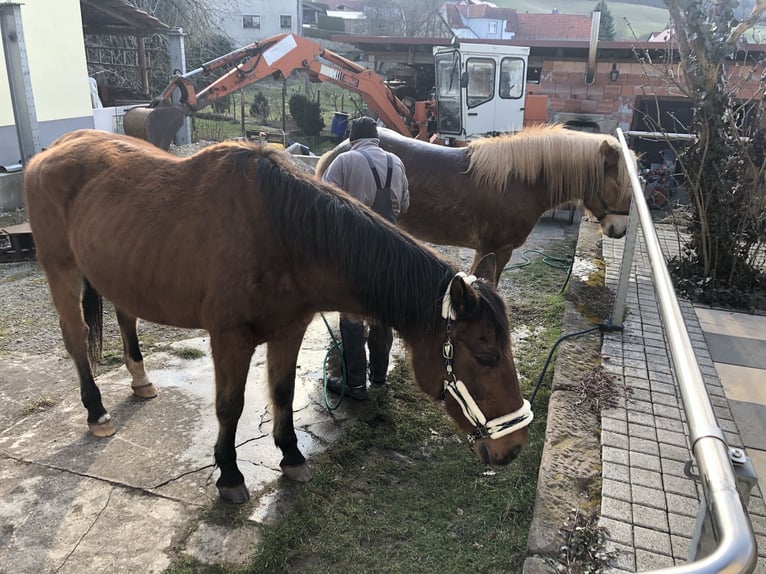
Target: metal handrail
point(736, 549)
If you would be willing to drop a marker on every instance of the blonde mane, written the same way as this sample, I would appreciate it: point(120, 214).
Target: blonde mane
point(570, 162)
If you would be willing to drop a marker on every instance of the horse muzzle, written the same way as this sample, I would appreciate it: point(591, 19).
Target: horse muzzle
point(614, 226)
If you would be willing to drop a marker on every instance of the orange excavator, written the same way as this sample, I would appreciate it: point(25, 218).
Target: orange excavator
point(275, 57)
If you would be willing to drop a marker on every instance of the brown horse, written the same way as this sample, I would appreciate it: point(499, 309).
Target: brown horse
point(238, 241)
point(489, 195)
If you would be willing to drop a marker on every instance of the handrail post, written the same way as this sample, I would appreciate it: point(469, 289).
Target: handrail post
point(626, 267)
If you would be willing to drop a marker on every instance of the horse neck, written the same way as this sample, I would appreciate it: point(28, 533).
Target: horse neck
point(381, 273)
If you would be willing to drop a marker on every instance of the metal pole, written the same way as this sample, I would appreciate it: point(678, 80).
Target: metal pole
point(177, 54)
point(736, 550)
point(19, 80)
point(626, 268)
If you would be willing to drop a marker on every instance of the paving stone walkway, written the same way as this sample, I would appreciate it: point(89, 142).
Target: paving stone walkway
point(648, 504)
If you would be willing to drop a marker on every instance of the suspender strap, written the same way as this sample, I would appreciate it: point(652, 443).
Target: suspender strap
point(389, 172)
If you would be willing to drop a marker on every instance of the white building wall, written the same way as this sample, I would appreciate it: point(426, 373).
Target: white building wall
point(58, 73)
point(230, 17)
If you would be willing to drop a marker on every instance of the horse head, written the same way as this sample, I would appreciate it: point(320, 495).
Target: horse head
point(611, 204)
point(479, 384)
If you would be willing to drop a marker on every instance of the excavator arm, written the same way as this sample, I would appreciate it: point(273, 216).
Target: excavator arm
point(277, 57)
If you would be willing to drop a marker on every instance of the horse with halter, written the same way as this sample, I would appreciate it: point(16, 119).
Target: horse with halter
point(239, 241)
point(490, 194)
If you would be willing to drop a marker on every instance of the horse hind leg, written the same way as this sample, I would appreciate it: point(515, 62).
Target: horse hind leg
point(66, 287)
point(282, 357)
point(134, 360)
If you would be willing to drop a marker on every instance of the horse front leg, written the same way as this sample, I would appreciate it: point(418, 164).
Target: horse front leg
point(232, 351)
point(134, 360)
point(282, 356)
point(66, 287)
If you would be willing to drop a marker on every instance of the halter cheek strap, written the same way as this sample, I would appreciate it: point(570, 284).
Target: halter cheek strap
point(497, 427)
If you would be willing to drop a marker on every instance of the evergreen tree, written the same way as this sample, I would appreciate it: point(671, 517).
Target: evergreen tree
point(606, 31)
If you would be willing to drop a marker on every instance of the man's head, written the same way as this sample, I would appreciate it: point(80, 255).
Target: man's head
point(363, 127)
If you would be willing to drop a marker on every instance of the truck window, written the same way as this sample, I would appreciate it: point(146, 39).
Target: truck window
point(481, 81)
point(511, 78)
point(448, 74)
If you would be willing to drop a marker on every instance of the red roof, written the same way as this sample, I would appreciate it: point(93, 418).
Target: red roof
point(553, 27)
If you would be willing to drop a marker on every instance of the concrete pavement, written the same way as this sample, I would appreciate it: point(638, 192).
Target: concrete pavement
point(67, 496)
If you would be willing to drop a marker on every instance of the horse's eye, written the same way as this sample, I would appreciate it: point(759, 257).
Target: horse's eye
point(486, 360)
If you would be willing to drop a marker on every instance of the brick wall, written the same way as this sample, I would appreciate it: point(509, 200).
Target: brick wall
point(609, 102)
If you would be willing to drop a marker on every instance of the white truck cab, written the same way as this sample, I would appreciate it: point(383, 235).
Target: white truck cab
point(480, 90)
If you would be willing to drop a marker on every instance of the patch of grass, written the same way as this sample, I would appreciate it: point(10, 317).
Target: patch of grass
point(38, 405)
point(186, 353)
point(402, 489)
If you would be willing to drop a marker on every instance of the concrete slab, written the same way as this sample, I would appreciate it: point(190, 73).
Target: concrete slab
point(731, 323)
point(55, 520)
point(742, 383)
point(751, 422)
point(66, 496)
point(742, 351)
point(758, 458)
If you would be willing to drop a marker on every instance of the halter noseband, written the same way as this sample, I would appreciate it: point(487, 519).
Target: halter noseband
point(608, 211)
point(497, 427)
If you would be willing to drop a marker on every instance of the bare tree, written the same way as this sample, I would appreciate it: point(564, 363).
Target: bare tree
point(725, 167)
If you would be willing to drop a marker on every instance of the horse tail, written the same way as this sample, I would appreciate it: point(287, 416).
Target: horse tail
point(93, 312)
point(326, 159)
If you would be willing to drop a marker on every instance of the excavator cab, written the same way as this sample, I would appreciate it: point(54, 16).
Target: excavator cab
point(480, 90)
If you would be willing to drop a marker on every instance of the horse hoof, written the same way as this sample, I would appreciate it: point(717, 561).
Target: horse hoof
point(299, 473)
point(103, 428)
point(234, 494)
point(145, 391)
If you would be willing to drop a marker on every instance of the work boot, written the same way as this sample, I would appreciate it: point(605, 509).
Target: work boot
point(335, 385)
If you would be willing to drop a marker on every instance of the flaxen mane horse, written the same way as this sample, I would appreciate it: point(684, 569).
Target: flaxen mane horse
point(238, 241)
point(489, 195)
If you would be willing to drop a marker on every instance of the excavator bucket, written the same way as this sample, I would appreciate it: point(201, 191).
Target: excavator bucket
point(156, 125)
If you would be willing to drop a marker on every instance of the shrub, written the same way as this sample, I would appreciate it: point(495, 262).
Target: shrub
point(260, 107)
point(307, 114)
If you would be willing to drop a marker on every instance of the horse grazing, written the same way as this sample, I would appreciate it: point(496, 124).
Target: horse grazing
point(239, 241)
point(490, 194)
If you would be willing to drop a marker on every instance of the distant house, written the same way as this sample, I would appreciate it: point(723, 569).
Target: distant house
point(473, 19)
point(247, 21)
point(664, 36)
point(480, 20)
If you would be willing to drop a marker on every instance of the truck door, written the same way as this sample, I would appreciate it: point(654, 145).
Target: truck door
point(480, 96)
point(509, 115)
point(448, 96)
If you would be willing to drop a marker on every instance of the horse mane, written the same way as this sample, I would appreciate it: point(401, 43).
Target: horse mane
point(314, 222)
point(570, 162)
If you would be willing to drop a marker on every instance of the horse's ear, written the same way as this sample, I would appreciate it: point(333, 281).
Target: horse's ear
point(464, 299)
point(611, 155)
point(486, 268)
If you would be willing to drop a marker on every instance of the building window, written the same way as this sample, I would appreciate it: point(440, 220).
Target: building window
point(493, 28)
point(250, 21)
point(286, 21)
